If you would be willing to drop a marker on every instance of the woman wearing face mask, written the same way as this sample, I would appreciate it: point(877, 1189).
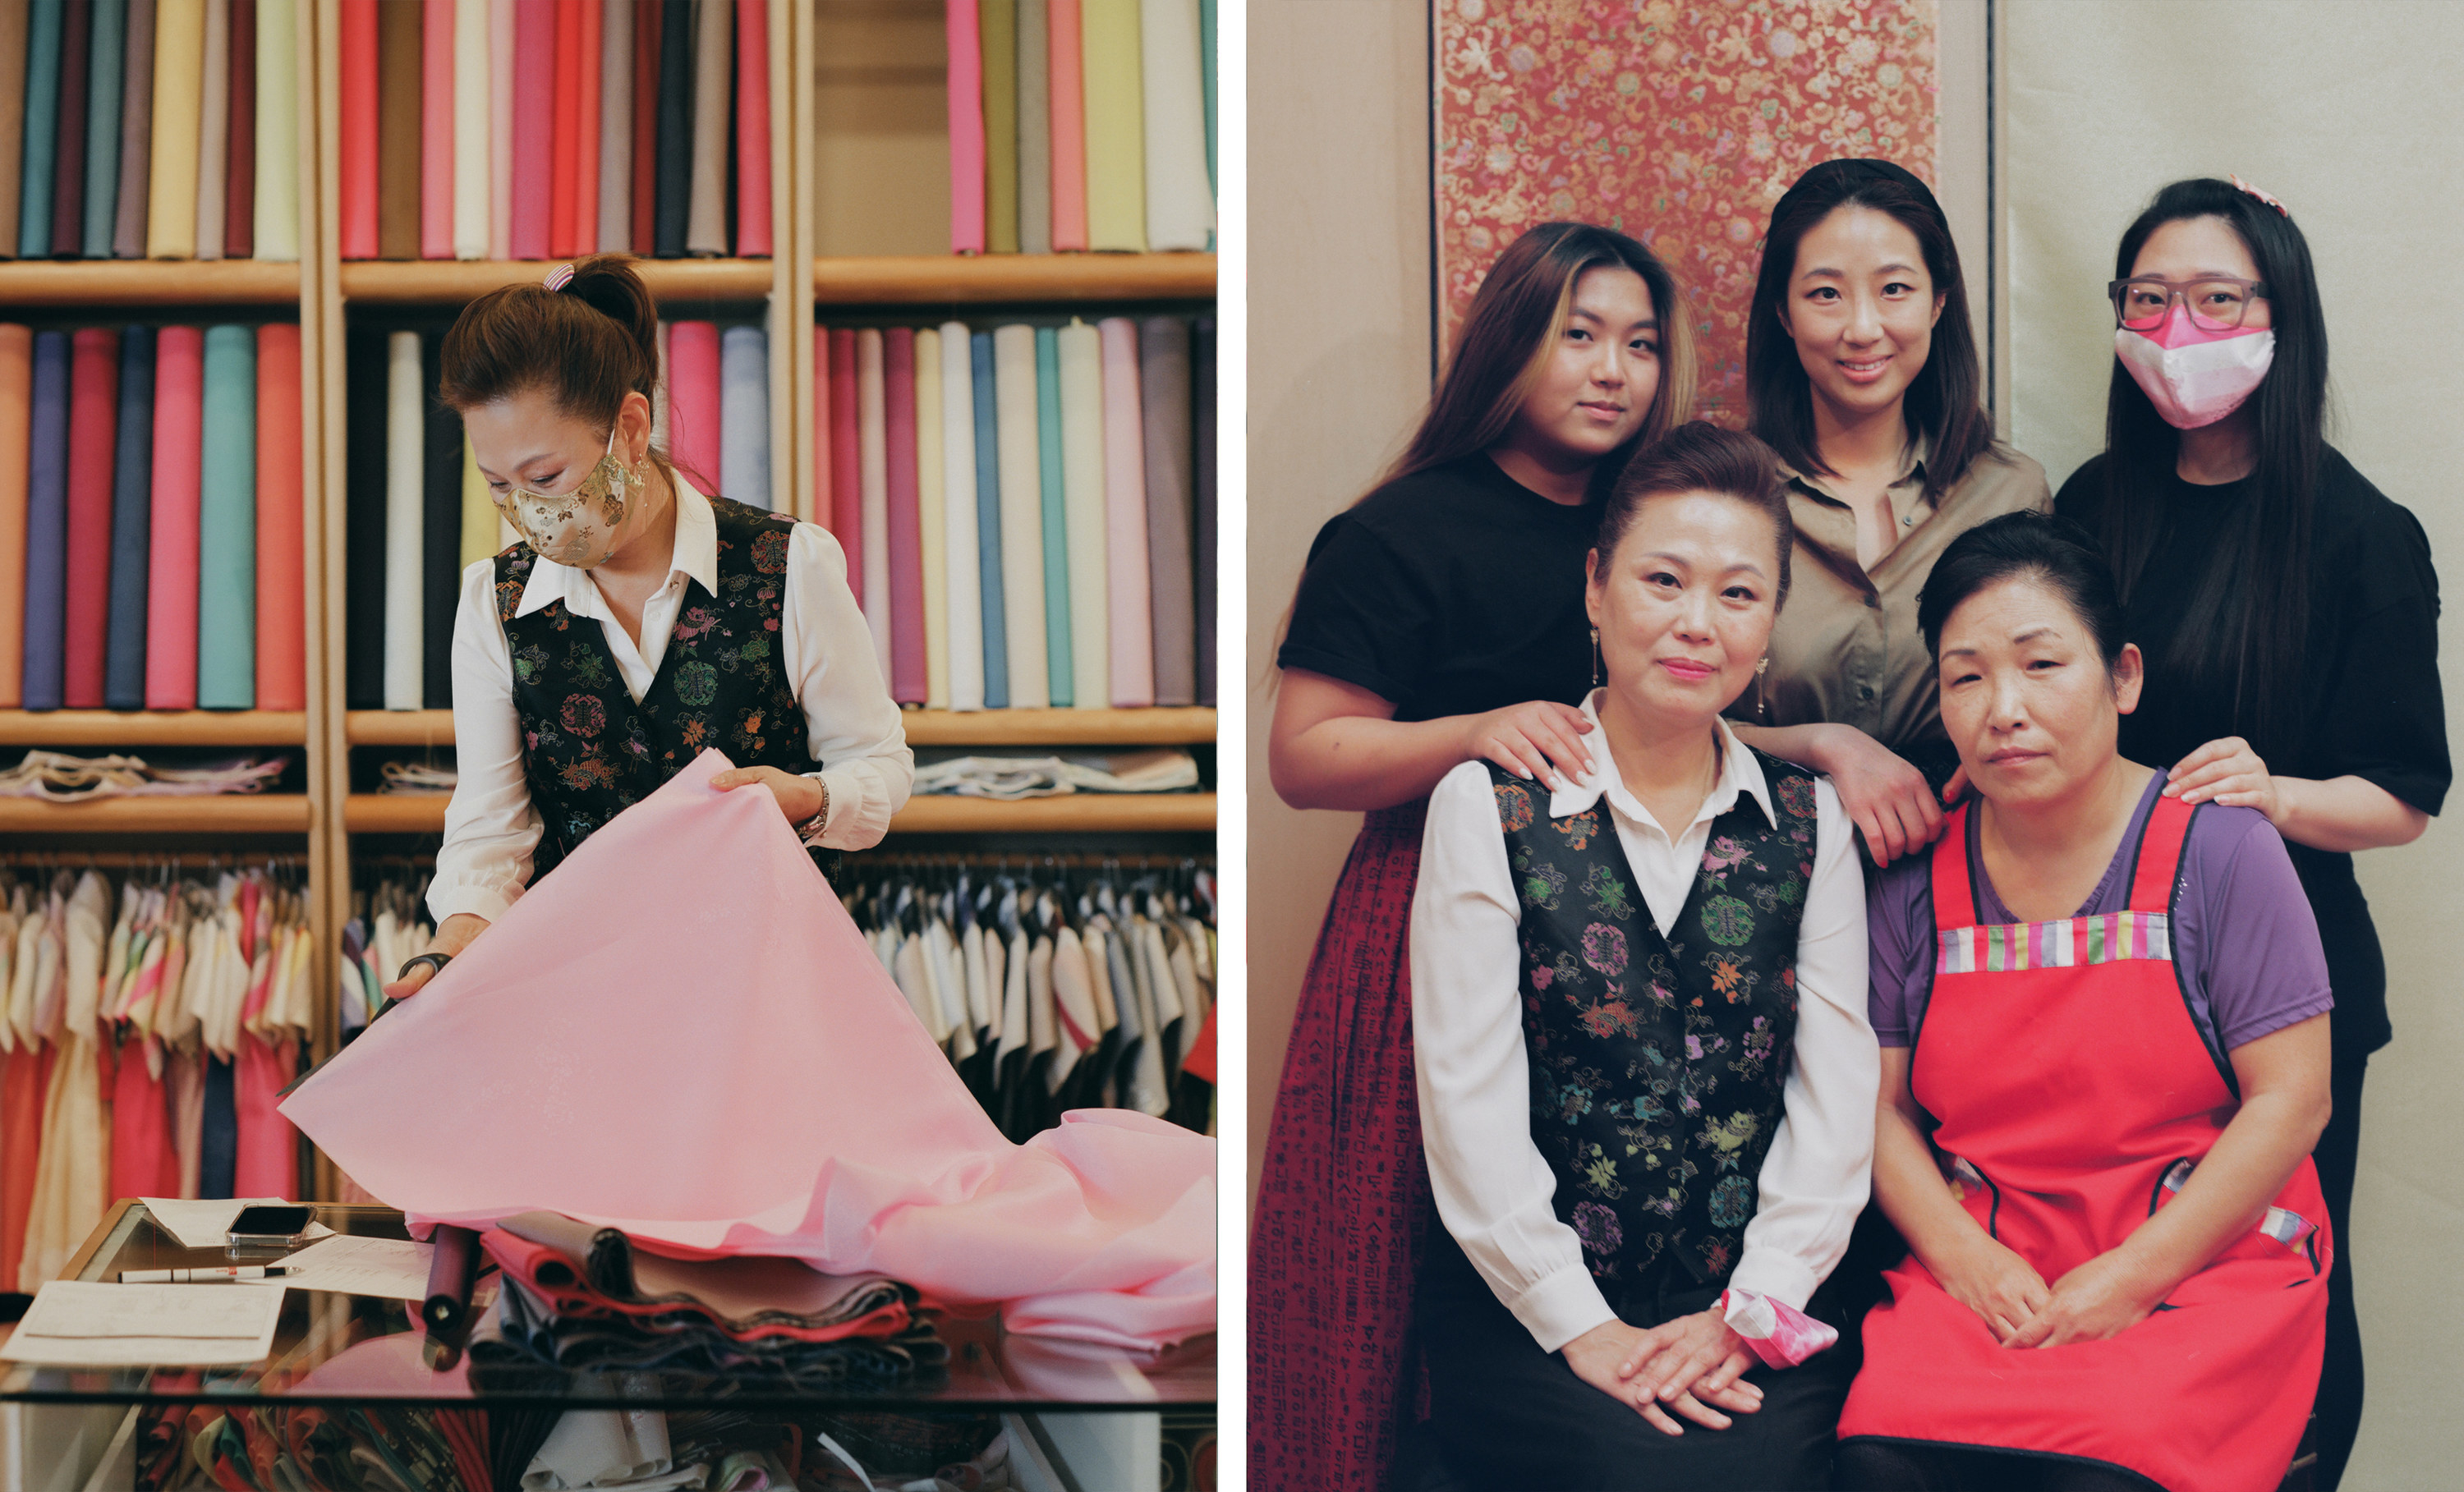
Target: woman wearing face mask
point(2104, 1016)
point(2287, 609)
point(639, 621)
point(1645, 1072)
point(1865, 377)
point(1440, 620)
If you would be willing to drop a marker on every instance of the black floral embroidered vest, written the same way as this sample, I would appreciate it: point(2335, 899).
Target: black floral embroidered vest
point(589, 750)
point(1659, 1058)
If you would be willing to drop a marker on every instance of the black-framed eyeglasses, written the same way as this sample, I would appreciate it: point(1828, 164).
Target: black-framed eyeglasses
point(2216, 302)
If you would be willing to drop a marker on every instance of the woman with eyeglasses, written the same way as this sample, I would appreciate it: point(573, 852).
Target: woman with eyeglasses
point(2287, 609)
point(637, 623)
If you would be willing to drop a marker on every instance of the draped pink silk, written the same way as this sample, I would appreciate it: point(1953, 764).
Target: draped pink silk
point(806, 1112)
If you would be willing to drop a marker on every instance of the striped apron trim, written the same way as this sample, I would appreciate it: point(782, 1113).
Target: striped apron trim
point(2009, 948)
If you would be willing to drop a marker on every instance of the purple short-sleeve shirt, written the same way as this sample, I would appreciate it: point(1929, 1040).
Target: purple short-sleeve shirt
point(2243, 936)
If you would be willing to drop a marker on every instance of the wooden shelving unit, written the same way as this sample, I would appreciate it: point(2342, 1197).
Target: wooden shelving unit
point(985, 279)
point(135, 727)
point(405, 283)
point(233, 813)
point(139, 283)
point(1076, 813)
point(924, 727)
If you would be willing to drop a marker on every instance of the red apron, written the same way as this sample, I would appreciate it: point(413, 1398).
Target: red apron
point(2075, 1096)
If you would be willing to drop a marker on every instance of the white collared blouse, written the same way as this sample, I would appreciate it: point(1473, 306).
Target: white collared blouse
point(852, 725)
point(1492, 1185)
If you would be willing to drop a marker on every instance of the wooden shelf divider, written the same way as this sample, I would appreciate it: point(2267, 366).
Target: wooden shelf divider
point(452, 281)
point(148, 282)
point(940, 279)
point(1157, 727)
point(135, 727)
point(1075, 812)
point(228, 813)
point(398, 727)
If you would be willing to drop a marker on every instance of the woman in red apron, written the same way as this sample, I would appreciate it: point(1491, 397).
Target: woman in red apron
point(2105, 1058)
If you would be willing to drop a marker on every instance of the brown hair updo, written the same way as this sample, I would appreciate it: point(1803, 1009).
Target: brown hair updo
point(1698, 456)
point(586, 346)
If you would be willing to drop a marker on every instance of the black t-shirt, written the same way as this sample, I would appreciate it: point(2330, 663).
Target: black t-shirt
point(2370, 702)
point(1452, 591)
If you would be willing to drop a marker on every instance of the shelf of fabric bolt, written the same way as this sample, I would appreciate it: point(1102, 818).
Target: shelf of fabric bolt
point(147, 282)
point(941, 279)
point(1071, 813)
point(452, 281)
point(1107, 728)
point(228, 813)
point(130, 729)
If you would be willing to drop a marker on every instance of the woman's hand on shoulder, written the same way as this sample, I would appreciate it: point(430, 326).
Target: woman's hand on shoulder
point(2228, 771)
point(1887, 800)
point(453, 935)
point(2102, 1298)
point(1988, 1278)
point(798, 797)
point(1538, 738)
point(1611, 1354)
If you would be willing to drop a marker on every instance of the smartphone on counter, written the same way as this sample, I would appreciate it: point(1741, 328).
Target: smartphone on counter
point(271, 1225)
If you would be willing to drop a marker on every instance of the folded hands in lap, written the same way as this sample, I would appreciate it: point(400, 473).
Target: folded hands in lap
point(1690, 1368)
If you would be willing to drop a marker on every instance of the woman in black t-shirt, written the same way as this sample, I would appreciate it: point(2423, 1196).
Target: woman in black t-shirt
point(1440, 620)
point(2287, 609)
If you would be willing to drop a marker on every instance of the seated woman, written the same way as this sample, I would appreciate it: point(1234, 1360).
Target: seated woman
point(1639, 1016)
point(2103, 1017)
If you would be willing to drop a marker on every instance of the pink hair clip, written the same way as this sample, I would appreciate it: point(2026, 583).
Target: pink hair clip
point(563, 274)
point(2243, 186)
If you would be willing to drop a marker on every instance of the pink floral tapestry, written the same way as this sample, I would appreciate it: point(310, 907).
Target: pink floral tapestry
point(1678, 122)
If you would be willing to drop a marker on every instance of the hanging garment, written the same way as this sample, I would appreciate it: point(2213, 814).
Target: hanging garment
point(2210, 1392)
point(876, 1157)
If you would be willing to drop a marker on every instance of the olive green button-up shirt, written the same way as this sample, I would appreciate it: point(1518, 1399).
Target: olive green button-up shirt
point(1846, 648)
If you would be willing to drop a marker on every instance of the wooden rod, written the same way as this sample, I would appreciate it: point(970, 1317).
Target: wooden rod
point(452, 281)
point(940, 279)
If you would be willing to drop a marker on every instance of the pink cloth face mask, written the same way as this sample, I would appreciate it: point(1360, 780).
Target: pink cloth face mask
point(2195, 377)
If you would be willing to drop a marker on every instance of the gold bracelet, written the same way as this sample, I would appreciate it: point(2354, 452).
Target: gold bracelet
point(814, 825)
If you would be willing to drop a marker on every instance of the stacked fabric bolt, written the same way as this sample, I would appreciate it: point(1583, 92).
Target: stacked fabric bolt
point(517, 129)
point(1028, 512)
point(581, 1298)
point(56, 777)
point(1008, 778)
point(1081, 124)
point(150, 518)
point(135, 130)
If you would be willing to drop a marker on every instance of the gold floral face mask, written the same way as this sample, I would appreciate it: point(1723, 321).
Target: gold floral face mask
point(576, 528)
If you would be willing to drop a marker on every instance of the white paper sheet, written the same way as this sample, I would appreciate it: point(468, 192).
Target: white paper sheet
point(207, 1224)
point(95, 1324)
point(345, 1264)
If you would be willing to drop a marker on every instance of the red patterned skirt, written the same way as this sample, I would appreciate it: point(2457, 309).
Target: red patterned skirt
point(1343, 1200)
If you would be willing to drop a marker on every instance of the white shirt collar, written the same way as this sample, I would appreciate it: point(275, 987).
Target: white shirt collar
point(696, 556)
point(1739, 772)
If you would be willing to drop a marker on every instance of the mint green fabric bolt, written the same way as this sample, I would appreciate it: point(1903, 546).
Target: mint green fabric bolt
point(1056, 524)
point(226, 524)
point(44, 24)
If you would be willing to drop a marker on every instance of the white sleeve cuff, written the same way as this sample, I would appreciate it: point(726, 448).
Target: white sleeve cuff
point(1779, 1275)
point(1560, 1307)
point(478, 898)
point(860, 806)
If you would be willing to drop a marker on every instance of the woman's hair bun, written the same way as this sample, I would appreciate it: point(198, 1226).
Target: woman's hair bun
point(590, 342)
point(606, 283)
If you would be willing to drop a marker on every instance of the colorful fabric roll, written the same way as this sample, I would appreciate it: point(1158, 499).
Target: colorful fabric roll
point(588, 64)
point(227, 523)
point(171, 555)
point(239, 180)
point(961, 562)
point(1115, 109)
point(565, 134)
point(1203, 450)
point(1059, 670)
point(988, 525)
point(132, 476)
point(933, 516)
point(503, 27)
point(281, 515)
point(1034, 127)
point(873, 473)
point(534, 125)
point(694, 402)
point(1181, 204)
point(46, 20)
point(752, 129)
point(213, 145)
point(997, 22)
point(68, 168)
point(480, 517)
point(93, 444)
point(966, 69)
point(1082, 449)
point(470, 111)
point(15, 22)
point(819, 510)
point(706, 232)
point(438, 62)
point(440, 557)
point(365, 358)
point(1022, 517)
point(1124, 510)
point(47, 500)
point(136, 132)
point(278, 134)
point(616, 127)
point(357, 181)
point(17, 434)
point(906, 650)
point(846, 517)
point(107, 76)
point(400, 75)
point(1163, 402)
point(1068, 114)
point(404, 594)
point(674, 172)
point(745, 416)
point(650, 23)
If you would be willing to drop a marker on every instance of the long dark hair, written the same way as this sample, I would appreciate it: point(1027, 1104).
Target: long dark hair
point(1943, 401)
point(2249, 609)
point(1515, 321)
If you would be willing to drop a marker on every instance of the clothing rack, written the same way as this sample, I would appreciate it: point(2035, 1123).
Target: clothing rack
point(147, 859)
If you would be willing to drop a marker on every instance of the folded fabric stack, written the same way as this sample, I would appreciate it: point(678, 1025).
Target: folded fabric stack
point(578, 1297)
point(1014, 777)
point(417, 778)
point(62, 779)
point(281, 1448)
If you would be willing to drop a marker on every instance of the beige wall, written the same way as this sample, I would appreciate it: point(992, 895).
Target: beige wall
point(2348, 114)
point(1338, 366)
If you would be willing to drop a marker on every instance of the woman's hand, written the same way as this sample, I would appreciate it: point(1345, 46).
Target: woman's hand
point(1539, 738)
point(453, 935)
point(2004, 1290)
point(1885, 798)
point(1698, 1357)
point(798, 797)
point(2102, 1298)
point(1599, 1357)
point(2225, 772)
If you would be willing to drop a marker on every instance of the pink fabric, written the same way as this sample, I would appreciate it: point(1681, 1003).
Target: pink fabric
point(436, 131)
point(1068, 128)
point(534, 124)
point(142, 1160)
point(693, 401)
point(966, 129)
point(798, 1110)
point(268, 1146)
point(171, 551)
point(1125, 519)
point(752, 129)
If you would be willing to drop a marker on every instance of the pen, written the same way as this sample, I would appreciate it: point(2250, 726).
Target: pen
point(221, 1275)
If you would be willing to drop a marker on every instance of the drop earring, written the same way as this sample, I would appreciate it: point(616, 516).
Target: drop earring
point(1596, 657)
point(1762, 701)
